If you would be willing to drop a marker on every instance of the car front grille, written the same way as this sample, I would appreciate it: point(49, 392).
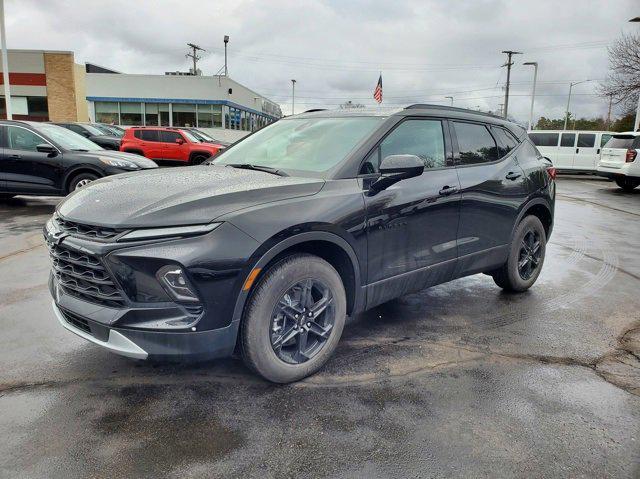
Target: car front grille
point(85, 231)
point(82, 275)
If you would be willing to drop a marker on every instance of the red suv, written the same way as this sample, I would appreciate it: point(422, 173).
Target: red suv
point(167, 144)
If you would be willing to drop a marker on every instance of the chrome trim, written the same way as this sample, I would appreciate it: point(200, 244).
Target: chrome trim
point(117, 343)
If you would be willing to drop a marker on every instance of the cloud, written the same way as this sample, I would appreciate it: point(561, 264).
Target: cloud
point(335, 49)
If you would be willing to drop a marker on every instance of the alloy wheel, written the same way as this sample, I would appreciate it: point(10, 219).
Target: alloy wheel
point(83, 182)
point(529, 255)
point(302, 321)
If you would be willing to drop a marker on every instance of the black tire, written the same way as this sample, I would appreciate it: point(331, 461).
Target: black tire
point(515, 275)
point(258, 328)
point(627, 184)
point(83, 179)
point(198, 159)
point(134, 152)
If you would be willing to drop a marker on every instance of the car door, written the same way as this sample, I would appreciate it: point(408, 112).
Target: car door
point(25, 169)
point(171, 148)
point(493, 188)
point(150, 143)
point(586, 152)
point(412, 225)
point(566, 152)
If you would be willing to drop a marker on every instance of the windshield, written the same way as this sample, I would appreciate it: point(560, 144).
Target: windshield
point(190, 136)
point(66, 139)
point(202, 134)
point(93, 130)
point(108, 131)
point(301, 144)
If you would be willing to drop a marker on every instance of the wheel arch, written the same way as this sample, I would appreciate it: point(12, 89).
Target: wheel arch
point(195, 153)
point(540, 208)
point(328, 246)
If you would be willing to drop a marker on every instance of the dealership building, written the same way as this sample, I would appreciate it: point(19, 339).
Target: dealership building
point(50, 86)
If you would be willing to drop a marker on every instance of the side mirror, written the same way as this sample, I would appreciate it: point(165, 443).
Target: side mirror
point(47, 148)
point(395, 168)
point(179, 141)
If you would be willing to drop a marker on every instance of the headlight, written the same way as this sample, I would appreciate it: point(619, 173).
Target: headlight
point(129, 165)
point(151, 233)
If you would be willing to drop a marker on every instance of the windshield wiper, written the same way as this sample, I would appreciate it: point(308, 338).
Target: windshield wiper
point(266, 169)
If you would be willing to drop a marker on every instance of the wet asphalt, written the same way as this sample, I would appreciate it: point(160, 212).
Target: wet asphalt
point(460, 380)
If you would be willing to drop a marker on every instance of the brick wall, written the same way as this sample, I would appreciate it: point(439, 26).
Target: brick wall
point(61, 86)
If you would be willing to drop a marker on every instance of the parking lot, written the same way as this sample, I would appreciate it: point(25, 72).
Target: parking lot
point(458, 380)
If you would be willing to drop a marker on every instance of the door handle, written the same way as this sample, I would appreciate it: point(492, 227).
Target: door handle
point(598, 151)
point(512, 175)
point(447, 190)
point(15, 156)
point(577, 150)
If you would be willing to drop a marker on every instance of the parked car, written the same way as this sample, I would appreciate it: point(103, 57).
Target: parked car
point(109, 129)
point(571, 151)
point(620, 161)
point(204, 137)
point(315, 217)
point(166, 144)
point(106, 141)
point(46, 159)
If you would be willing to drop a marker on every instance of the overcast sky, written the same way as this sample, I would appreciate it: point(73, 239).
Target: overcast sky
point(426, 50)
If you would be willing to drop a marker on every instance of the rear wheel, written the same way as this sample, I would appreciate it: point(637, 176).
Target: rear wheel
point(526, 256)
point(80, 181)
point(627, 184)
point(197, 159)
point(294, 319)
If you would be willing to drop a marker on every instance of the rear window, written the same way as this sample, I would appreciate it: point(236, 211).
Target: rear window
point(568, 139)
point(475, 143)
point(544, 139)
point(620, 141)
point(586, 140)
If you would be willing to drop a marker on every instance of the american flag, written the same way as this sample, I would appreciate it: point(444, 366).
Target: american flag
point(377, 92)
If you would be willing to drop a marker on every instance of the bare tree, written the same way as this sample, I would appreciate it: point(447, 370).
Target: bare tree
point(623, 82)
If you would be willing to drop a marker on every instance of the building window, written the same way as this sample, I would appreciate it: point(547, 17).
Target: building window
point(205, 116)
point(184, 114)
point(38, 108)
point(151, 114)
point(163, 110)
point(131, 113)
point(217, 115)
point(107, 112)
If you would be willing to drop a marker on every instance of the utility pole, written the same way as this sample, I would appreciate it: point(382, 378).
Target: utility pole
point(226, 40)
point(509, 53)
point(195, 48)
point(533, 91)
point(5, 64)
point(450, 98)
point(293, 97)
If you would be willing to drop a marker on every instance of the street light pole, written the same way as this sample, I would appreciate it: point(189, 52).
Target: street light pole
point(293, 97)
point(5, 64)
point(566, 116)
point(226, 41)
point(450, 98)
point(533, 91)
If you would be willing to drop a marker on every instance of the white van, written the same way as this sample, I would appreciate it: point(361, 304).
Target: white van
point(575, 151)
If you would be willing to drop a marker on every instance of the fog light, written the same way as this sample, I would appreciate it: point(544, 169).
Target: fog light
point(175, 282)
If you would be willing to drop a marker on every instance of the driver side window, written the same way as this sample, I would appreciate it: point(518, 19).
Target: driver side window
point(422, 138)
point(22, 139)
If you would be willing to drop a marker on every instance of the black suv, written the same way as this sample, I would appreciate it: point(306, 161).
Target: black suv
point(318, 216)
point(45, 159)
point(106, 140)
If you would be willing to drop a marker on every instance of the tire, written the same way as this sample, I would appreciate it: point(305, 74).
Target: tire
point(198, 159)
point(81, 180)
point(134, 152)
point(627, 184)
point(262, 348)
point(515, 275)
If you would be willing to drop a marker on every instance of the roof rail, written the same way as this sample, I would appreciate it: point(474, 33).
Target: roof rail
point(315, 109)
point(420, 106)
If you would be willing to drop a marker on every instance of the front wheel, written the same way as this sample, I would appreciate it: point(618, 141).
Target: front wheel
point(526, 256)
point(294, 319)
point(627, 184)
point(80, 181)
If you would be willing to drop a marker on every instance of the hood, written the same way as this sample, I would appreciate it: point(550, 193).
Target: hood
point(178, 196)
point(141, 161)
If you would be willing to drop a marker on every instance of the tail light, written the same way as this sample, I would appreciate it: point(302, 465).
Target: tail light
point(551, 171)
point(631, 155)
